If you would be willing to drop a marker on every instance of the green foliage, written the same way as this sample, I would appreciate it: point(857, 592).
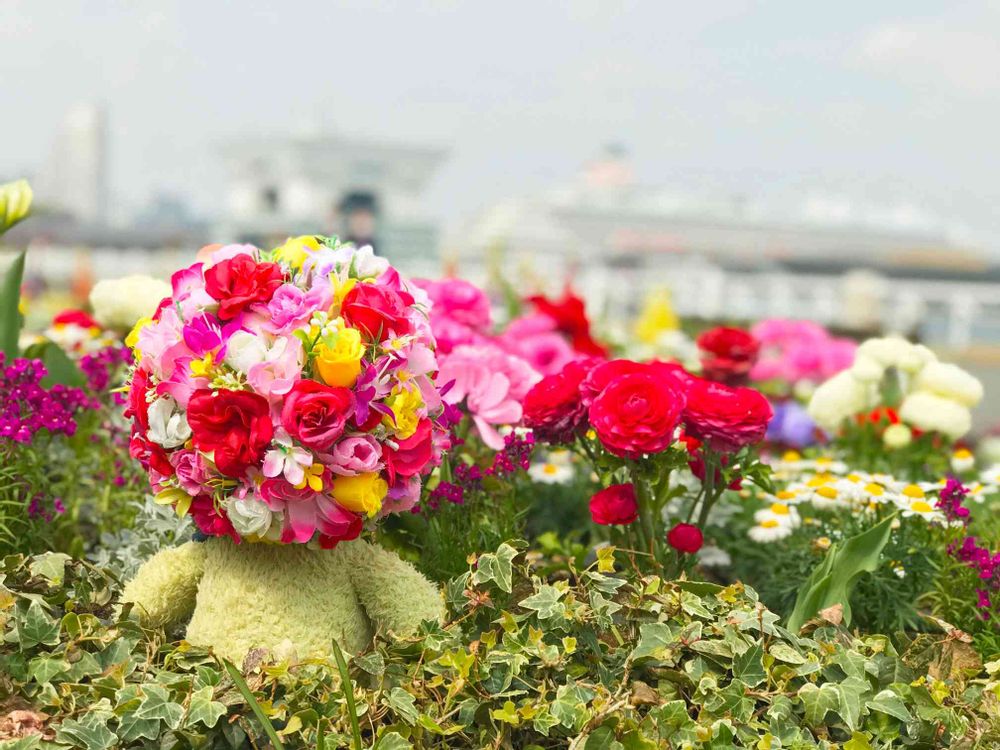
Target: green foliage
point(10, 311)
point(579, 658)
point(833, 580)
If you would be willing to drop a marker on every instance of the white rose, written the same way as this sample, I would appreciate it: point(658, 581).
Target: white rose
point(120, 303)
point(840, 397)
point(933, 413)
point(244, 350)
point(950, 381)
point(168, 425)
point(250, 516)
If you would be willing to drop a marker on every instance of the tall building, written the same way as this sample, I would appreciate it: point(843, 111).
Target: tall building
point(75, 176)
point(365, 191)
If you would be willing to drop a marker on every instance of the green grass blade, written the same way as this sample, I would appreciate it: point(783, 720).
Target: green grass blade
point(348, 688)
point(244, 689)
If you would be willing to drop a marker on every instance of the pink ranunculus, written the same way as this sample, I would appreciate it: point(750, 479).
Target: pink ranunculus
point(291, 308)
point(403, 495)
point(725, 417)
point(548, 352)
point(458, 300)
point(355, 454)
point(489, 394)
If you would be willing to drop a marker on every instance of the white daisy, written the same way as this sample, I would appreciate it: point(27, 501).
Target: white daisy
point(769, 530)
point(551, 473)
point(962, 461)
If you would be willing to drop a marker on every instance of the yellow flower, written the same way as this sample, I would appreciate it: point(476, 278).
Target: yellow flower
point(313, 476)
point(657, 318)
point(296, 249)
point(362, 494)
point(132, 340)
point(338, 357)
point(405, 405)
point(202, 368)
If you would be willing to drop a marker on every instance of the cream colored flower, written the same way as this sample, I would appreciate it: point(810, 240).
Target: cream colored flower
point(839, 398)
point(897, 436)
point(120, 303)
point(250, 517)
point(932, 413)
point(949, 381)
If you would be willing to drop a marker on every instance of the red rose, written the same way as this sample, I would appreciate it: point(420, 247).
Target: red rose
point(615, 506)
point(241, 281)
point(234, 426)
point(553, 408)
point(637, 413)
point(376, 311)
point(150, 455)
point(570, 317)
point(726, 418)
point(316, 414)
point(727, 354)
point(412, 454)
point(75, 318)
point(685, 537)
point(137, 407)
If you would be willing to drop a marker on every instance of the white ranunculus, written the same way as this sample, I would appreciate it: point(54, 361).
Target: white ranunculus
point(250, 516)
point(120, 303)
point(244, 350)
point(867, 369)
point(894, 351)
point(932, 413)
point(950, 381)
point(840, 397)
point(168, 425)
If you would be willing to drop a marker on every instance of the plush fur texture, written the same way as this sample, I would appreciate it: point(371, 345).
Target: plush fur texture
point(261, 595)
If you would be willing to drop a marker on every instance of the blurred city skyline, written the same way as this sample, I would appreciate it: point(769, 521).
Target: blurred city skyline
point(842, 112)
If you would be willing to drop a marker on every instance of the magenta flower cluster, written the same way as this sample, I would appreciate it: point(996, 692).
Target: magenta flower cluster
point(26, 407)
point(101, 367)
point(985, 562)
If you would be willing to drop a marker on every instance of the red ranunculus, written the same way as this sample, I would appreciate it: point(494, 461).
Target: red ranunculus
point(209, 520)
point(75, 318)
point(553, 408)
point(726, 418)
point(727, 354)
point(637, 413)
point(234, 426)
point(241, 281)
point(685, 537)
point(570, 316)
point(606, 372)
point(411, 455)
point(376, 311)
point(696, 462)
point(316, 414)
point(614, 506)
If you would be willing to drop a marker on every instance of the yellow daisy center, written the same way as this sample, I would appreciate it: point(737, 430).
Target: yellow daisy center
point(550, 469)
point(912, 490)
point(919, 506)
point(770, 523)
point(874, 489)
point(828, 492)
point(779, 509)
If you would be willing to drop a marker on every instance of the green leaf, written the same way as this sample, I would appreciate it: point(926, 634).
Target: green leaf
point(817, 701)
point(404, 704)
point(496, 567)
point(131, 727)
point(157, 704)
point(858, 741)
point(241, 685)
point(602, 738)
point(833, 580)
point(204, 710)
point(546, 602)
point(61, 368)
point(51, 566)
point(849, 693)
point(656, 640)
point(90, 732)
point(888, 702)
point(10, 300)
point(393, 741)
point(36, 628)
point(749, 666)
point(347, 687)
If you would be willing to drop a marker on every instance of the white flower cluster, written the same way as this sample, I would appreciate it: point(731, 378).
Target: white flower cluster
point(937, 397)
point(120, 303)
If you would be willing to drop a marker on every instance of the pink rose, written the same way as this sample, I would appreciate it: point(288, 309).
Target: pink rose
point(192, 472)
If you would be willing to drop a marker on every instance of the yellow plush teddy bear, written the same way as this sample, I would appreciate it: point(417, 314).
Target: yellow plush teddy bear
point(244, 596)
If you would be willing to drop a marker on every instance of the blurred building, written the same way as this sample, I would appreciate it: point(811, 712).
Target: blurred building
point(74, 180)
point(732, 258)
point(365, 191)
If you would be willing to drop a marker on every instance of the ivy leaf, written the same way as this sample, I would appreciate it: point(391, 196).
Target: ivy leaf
point(36, 628)
point(204, 710)
point(393, 741)
point(858, 741)
point(403, 704)
point(545, 602)
point(889, 703)
point(817, 701)
point(51, 566)
point(749, 666)
point(157, 705)
point(603, 738)
point(507, 714)
point(570, 705)
point(849, 694)
point(655, 641)
point(131, 727)
point(90, 732)
point(496, 567)
point(606, 559)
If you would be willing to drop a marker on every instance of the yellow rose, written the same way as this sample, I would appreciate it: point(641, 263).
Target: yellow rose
point(361, 494)
point(404, 404)
point(296, 249)
point(338, 357)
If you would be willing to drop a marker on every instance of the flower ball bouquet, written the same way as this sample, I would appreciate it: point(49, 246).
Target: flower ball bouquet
point(285, 400)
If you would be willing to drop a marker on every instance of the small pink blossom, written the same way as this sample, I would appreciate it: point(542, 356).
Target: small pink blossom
point(356, 454)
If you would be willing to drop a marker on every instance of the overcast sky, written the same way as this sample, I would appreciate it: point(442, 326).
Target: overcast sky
point(891, 104)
